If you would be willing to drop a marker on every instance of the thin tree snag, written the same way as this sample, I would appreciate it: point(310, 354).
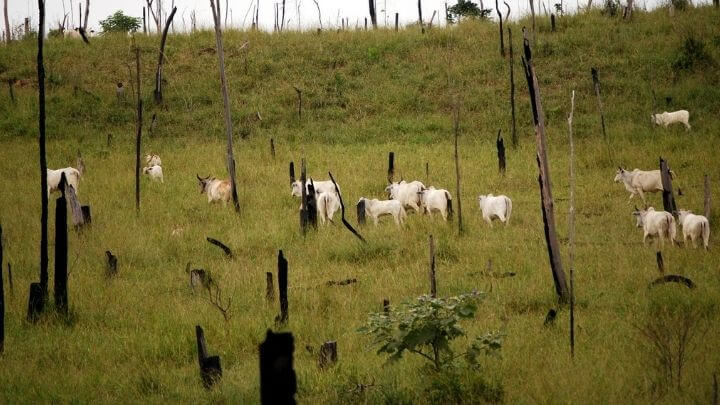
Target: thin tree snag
point(433, 282)
point(43, 171)
point(327, 355)
point(144, 22)
point(373, 14)
point(667, 194)
point(2, 298)
point(500, 18)
point(292, 173)
point(427, 173)
point(111, 268)
point(552, 22)
point(138, 134)
point(210, 369)
point(500, 144)
point(10, 282)
point(397, 21)
point(36, 302)
point(512, 87)
point(673, 278)
point(391, 167)
point(311, 205)
point(272, 148)
point(507, 14)
point(361, 212)
point(532, 12)
point(303, 198)
point(282, 23)
point(342, 211)
point(659, 261)
point(269, 287)
point(596, 85)
point(571, 226)
point(278, 382)
point(456, 120)
point(77, 215)
point(228, 252)
point(161, 57)
point(61, 250)
point(10, 89)
point(299, 94)
point(420, 19)
point(86, 215)
point(386, 305)
point(226, 103)
point(282, 288)
point(8, 36)
point(544, 177)
point(706, 210)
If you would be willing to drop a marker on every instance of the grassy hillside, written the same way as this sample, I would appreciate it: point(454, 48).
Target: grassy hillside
point(131, 339)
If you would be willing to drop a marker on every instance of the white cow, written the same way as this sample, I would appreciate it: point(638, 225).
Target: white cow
point(407, 193)
point(320, 187)
point(656, 223)
point(152, 160)
point(72, 34)
point(694, 227)
point(437, 200)
point(327, 205)
point(492, 207)
point(667, 118)
point(640, 181)
point(72, 176)
point(217, 190)
point(155, 172)
point(375, 208)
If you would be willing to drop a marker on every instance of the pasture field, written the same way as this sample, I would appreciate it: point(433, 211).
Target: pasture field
point(131, 339)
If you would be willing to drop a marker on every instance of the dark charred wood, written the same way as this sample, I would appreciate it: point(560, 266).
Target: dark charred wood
point(228, 252)
point(278, 383)
point(342, 211)
point(328, 354)
point(673, 278)
point(111, 268)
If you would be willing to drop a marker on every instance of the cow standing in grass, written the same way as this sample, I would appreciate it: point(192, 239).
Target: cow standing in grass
point(667, 118)
point(694, 227)
point(217, 190)
point(492, 207)
point(432, 199)
point(408, 194)
point(376, 208)
point(660, 224)
point(640, 181)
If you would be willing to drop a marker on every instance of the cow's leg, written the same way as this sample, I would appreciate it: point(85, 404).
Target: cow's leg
point(444, 215)
point(501, 217)
point(645, 235)
point(415, 207)
point(642, 196)
point(488, 220)
point(375, 220)
point(397, 219)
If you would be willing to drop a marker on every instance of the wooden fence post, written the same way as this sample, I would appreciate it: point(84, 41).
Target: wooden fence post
point(61, 250)
point(420, 19)
point(161, 57)
point(210, 369)
point(706, 210)
point(667, 194)
point(397, 18)
point(328, 354)
point(457, 167)
point(544, 177)
point(282, 287)
point(138, 134)
point(391, 167)
point(502, 42)
point(34, 304)
point(2, 298)
point(433, 283)
point(500, 144)
point(278, 383)
point(512, 88)
point(571, 226)
point(373, 15)
point(269, 287)
point(552, 22)
point(596, 85)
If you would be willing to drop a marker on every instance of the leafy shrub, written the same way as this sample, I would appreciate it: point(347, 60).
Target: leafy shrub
point(120, 22)
point(692, 54)
point(426, 327)
point(466, 8)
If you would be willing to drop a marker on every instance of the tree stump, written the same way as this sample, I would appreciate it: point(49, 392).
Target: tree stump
point(210, 369)
point(36, 302)
point(269, 287)
point(111, 269)
point(328, 354)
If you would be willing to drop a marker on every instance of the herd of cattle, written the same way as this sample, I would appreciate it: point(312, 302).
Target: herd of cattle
point(416, 196)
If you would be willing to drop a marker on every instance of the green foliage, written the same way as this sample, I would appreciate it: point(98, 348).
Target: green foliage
point(427, 326)
point(120, 22)
point(692, 54)
point(610, 8)
point(466, 8)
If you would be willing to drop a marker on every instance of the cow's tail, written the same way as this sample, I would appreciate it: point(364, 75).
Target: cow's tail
point(705, 233)
point(448, 198)
point(508, 209)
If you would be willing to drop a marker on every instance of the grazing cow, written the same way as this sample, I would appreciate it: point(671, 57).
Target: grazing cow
point(375, 208)
point(320, 187)
point(72, 176)
point(656, 223)
point(217, 190)
point(327, 205)
point(152, 160)
point(694, 227)
point(640, 181)
point(492, 207)
point(72, 34)
point(438, 200)
point(666, 118)
point(155, 172)
point(407, 193)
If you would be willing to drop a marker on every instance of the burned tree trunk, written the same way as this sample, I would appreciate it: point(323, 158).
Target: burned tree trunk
point(311, 205)
point(292, 173)
point(433, 282)
point(61, 250)
point(282, 288)
point(8, 37)
point(544, 178)
point(571, 226)
point(272, 148)
point(210, 369)
point(43, 168)
point(397, 18)
point(667, 194)
point(10, 90)
point(596, 85)
point(161, 57)
point(303, 198)
point(138, 135)
point(373, 15)
point(144, 21)
point(420, 19)
point(361, 212)
point(500, 144)
point(2, 298)
point(228, 252)
point(328, 354)
point(75, 208)
point(269, 287)
point(457, 167)
point(391, 167)
point(532, 12)
point(226, 103)
point(36, 302)
point(502, 41)
point(552, 22)
point(278, 383)
point(87, 14)
point(512, 88)
point(659, 261)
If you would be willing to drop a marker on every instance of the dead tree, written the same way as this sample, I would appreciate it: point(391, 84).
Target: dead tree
point(361, 218)
point(43, 170)
point(138, 134)
point(544, 178)
point(571, 226)
point(161, 57)
point(282, 288)
point(2, 298)
point(596, 85)
point(420, 19)
point(706, 210)
point(433, 282)
point(532, 12)
point(87, 14)
point(512, 87)
point(61, 250)
point(373, 15)
point(659, 261)
point(457, 167)
point(278, 383)
point(282, 23)
point(667, 194)
point(210, 369)
point(303, 198)
point(156, 17)
point(78, 217)
point(10, 282)
point(502, 41)
point(272, 148)
point(391, 167)
point(342, 211)
point(292, 173)
point(111, 267)
point(226, 101)
point(10, 90)
point(144, 22)
point(8, 37)
point(500, 144)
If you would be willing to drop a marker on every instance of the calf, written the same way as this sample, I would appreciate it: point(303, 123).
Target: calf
point(640, 181)
point(667, 118)
point(327, 205)
point(155, 172)
point(375, 208)
point(72, 176)
point(492, 207)
point(438, 200)
point(408, 194)
point(694, 227)
point(217, 190)
point(656, 223)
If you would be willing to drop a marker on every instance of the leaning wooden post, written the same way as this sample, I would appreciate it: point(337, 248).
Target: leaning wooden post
point(706, 211)
point(596, 85)
point(278, 382)
point(433, 283)
point(500, 144)
point(571, 226)
point(391, 167)
point(544, 178)
point(282, 287)
point(420, 19)
point(512, 88)
point(226, 103)
point(2, 299)
point(210, 369)
point(668, 197)
point(457, 167)
point(161, 57)
point(61, 250)
point(138, 134)
point(269, 287)
point(502, 41)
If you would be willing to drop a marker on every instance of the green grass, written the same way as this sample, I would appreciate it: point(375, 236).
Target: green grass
point(131, 339)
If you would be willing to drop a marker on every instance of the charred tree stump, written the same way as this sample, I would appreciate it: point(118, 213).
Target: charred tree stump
point(292, 173)
point(328, 354)
point(199, 278)
point(391, 167)
point(311, 204)
point(303, 198)
point(86, 214)
point(10, 282)
point(706, 210)
point(427, 173)
point(144, 21)
point(278, 383)
point(500, 144)
point(571, 225)
point(547, 204)
point(210, 369)
point(282, 287)
point(75, 208)
point(433, 282)
point(61, 250)
point(36, 306)
point(269, 287)
point(596, 85)
point(660, 263)
point(512, 88)
point(342, 211)
point(361, 212)
point(2, 298)
point(373, 15)
point(552, 22)
point(111, 268)
point(36, 302)
point(668, 197)
point(420, 19)
point(386, 305)
point(228, 252)
point(457, 167)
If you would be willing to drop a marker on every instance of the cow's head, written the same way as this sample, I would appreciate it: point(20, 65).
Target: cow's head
point(391, 190)
point(203, 183)
point(296, 188)
point(619, 174)
point(682, 214)
point(640, 215)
